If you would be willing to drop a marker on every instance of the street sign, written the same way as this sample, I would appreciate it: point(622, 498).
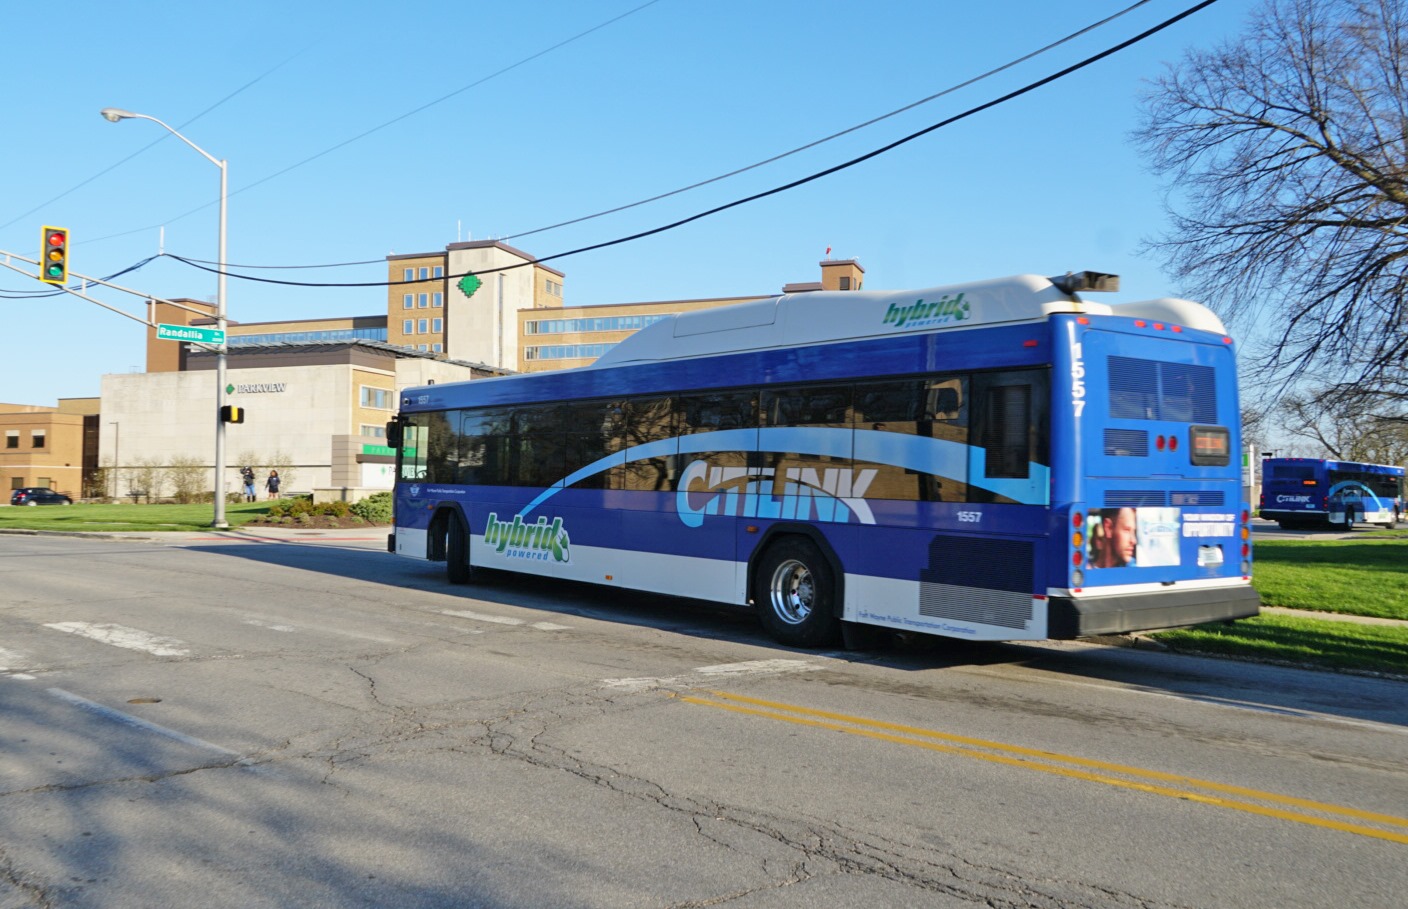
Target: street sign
point(190, 333)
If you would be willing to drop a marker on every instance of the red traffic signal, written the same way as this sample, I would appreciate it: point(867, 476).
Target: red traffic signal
point(53, 256)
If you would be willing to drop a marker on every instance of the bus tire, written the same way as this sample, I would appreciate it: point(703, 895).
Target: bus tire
point(794, 590)
point(457, 568)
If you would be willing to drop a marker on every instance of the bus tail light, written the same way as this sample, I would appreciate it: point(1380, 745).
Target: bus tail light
point(1246, 541)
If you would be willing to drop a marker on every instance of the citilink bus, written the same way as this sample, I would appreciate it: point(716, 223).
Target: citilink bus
point(999, 460)
point(1302, 492)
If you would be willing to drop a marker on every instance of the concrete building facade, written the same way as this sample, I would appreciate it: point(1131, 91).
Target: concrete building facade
point(316, 412)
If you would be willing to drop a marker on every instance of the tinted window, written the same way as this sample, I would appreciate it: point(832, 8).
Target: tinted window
point(1010, 422)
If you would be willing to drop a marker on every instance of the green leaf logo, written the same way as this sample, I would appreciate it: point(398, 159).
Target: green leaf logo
point(229, 389)
point(469, 284)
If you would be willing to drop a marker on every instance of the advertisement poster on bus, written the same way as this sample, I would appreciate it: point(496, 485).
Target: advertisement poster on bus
point(1133, 537)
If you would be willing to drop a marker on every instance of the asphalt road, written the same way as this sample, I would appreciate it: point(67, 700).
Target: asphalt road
point(309, 721)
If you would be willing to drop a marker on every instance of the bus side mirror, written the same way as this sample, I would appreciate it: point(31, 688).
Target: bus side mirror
point(393, 434)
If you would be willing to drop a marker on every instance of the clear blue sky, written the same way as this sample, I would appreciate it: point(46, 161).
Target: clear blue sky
point(671, 94)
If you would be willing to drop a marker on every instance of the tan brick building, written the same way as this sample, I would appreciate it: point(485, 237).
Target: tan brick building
point(50, 446)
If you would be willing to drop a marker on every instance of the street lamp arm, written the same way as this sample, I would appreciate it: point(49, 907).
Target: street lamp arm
point(113, 114)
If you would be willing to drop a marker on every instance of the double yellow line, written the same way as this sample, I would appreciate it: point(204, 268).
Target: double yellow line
point(1221, 795)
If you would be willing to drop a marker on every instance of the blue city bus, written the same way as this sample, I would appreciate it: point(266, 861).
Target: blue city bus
point(1000, 460)
point(1306, 492)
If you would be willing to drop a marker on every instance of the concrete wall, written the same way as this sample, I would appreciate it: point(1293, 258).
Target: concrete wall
point(483, 328)
point(292, 413)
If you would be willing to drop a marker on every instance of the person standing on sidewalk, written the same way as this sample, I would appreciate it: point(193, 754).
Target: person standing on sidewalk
point(247, 474)
point(272, 484)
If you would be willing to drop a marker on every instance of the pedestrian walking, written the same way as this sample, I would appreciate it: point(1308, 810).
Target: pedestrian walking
point(272, 484)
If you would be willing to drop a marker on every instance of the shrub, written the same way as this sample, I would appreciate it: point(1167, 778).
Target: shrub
point(374, 509)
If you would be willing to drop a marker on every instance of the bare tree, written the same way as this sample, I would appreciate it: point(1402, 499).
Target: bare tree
point(1345, 434)
point(187, 476)
point(1288, 153)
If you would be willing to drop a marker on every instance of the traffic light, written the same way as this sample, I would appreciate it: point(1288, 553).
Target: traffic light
point(229, 413)
point(53, 257)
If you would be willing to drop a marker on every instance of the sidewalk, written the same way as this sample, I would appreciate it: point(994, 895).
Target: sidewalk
point(249, 533)
point(1333, 616)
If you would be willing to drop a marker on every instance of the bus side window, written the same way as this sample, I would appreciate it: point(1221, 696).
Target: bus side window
point(934, 407)
point(647, 420)
point(825, 409)
point(1010, 424)
point(593, 430)
point(539, 446)
point(484, 447)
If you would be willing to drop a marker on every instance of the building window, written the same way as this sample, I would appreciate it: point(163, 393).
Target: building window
point(425, 348)
point(438, 348)
point(45, 482)
point(437, 272)
point(423, 327)
point(378, 398)
point(554, 288)
point(16, 482)
point(409, 274)
point(36, 438)
point(375, 432)
point(408, 327)
point(846, 283)
point(437, 325)
point(423, 301)
point(424, 273)
point(437, 300)
point(408, 300)
point(12, 438)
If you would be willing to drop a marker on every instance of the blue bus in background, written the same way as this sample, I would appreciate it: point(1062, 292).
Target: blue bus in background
point(1306, 492)
point(999, 460)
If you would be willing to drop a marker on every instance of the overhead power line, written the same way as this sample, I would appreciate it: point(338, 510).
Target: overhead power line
point(1030, 87)
point(859, 126)
point(778, 157)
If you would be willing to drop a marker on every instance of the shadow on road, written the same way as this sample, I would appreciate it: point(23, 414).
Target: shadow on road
point(1268, 686)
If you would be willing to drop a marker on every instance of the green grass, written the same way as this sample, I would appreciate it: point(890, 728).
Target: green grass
point(126, 518)
point(1368, 577)
point(1302, 641)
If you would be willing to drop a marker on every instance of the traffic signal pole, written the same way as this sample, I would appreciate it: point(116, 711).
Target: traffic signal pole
point(220, 349)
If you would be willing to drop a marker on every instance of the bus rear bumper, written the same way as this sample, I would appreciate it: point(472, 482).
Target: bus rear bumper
point(1078, 617)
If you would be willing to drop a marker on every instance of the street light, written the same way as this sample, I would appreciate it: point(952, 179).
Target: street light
point(112, 115)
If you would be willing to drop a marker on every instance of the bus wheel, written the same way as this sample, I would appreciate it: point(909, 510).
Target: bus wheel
point(457, 568)
point(795, 592)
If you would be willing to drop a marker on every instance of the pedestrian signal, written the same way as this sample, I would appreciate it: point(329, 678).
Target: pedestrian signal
point(53, 257)
point(231, 414)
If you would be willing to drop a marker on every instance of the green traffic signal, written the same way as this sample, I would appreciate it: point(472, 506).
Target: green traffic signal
point(53, 265)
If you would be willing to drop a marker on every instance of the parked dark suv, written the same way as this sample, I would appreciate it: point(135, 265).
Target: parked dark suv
point(38, 495)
